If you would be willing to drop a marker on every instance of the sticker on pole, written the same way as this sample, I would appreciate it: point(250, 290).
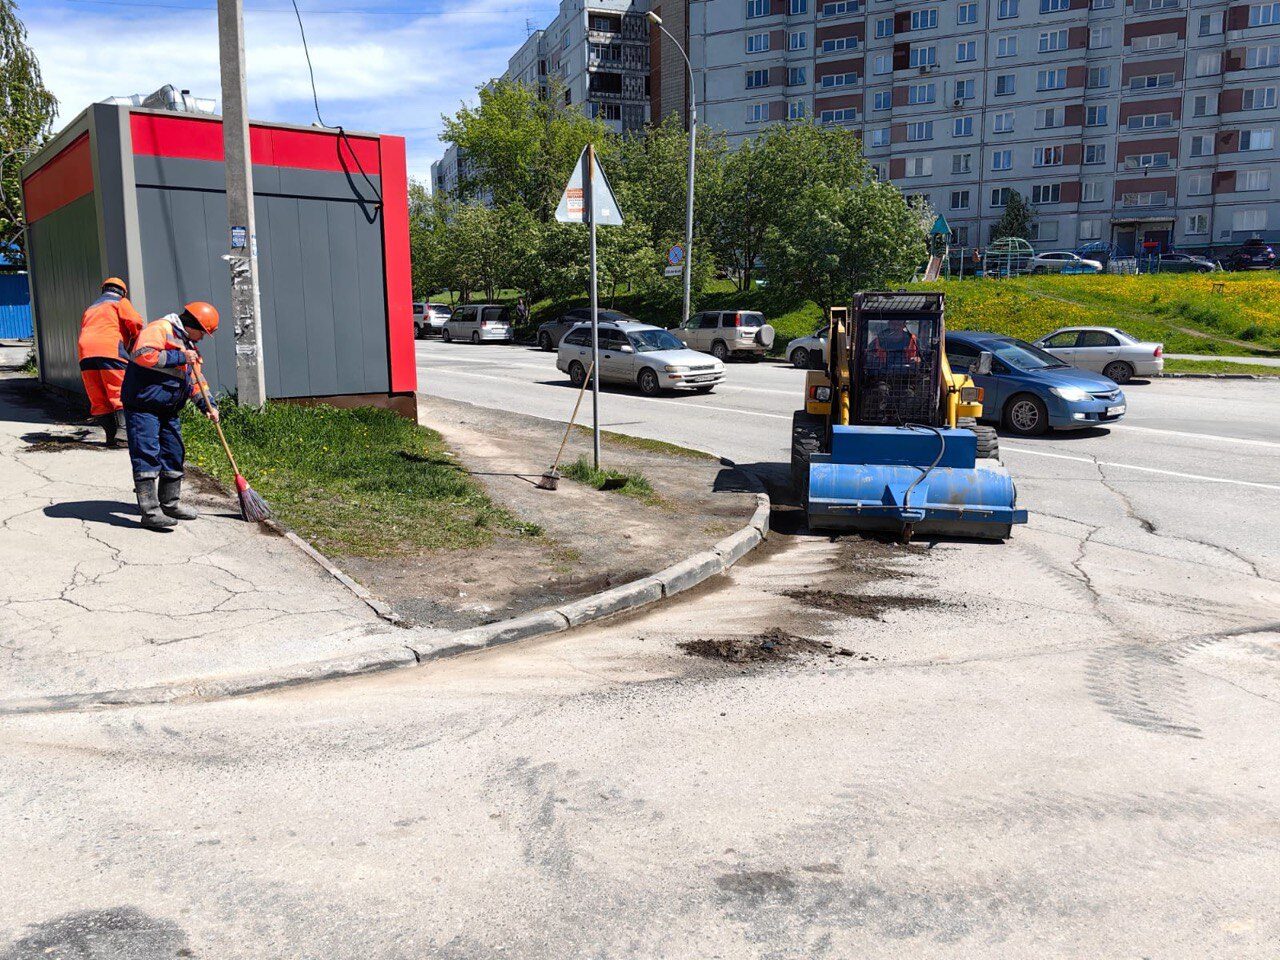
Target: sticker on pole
point(238, 237)
point(573, 204)
point(675, 256)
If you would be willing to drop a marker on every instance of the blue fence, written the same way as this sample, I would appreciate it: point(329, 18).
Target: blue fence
point(15, 307)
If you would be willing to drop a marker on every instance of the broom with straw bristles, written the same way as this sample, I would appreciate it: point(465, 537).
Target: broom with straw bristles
point(253, 509)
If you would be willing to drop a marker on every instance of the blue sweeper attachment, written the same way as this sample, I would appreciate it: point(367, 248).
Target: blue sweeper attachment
point(911, 480)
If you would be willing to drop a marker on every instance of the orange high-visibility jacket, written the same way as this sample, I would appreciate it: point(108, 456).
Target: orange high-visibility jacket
point(159, 375)
point(108, 328)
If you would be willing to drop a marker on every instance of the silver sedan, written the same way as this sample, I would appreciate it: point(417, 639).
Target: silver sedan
point(640, 355)
point(802, 351)
point(1109, 351)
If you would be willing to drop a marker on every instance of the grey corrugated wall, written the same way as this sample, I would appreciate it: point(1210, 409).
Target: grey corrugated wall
point(65, 279)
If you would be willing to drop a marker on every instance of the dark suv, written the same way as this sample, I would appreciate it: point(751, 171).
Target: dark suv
point(1255, 254)
point(551, 332)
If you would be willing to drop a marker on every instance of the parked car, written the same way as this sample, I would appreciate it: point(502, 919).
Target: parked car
point(1184, 263)
point(1062, 261)
point(648, 357)
point(429, 319)
point(552, 331)
point(1031, 391)
point(802, 350)
point(1255, 254)
point(478, 322)
point(727, 333)
point(1106, 350)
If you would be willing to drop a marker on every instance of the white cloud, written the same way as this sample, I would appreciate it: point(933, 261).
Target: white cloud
point(388, 74)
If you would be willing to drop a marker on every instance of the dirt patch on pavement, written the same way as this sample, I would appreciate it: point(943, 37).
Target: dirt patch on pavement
point(869, 606)
point(769, 647)
point(45, 442)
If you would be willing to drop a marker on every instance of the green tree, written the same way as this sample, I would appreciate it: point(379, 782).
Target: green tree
point(740, 209)
point(1016, 220)
point(27, 110)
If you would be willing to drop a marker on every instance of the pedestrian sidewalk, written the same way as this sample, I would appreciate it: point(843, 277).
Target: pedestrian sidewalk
point(1260, 361)
point(90, 601)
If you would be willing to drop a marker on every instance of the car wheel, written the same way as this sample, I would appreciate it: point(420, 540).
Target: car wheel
point(1026, 415)
point(806, 439)
point(988, 439)
point(648, 383)
point(418, 333)
point(577, 374)
point(1118, 371)
point(446, 336)
point(720, 351)
point(544, 342)
point(1040, 270)
point(475, 336)
point(800, 358)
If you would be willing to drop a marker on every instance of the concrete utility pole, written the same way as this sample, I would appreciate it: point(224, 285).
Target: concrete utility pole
point(242, 255)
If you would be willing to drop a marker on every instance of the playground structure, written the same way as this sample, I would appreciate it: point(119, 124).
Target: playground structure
point(1007, 257)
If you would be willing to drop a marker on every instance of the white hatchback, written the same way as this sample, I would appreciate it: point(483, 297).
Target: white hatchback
point(636, 353)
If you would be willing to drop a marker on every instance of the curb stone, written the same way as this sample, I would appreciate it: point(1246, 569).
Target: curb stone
point(372, 602)
point(629, 596)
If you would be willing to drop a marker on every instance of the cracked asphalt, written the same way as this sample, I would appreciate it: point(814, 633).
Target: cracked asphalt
point(1068, 752)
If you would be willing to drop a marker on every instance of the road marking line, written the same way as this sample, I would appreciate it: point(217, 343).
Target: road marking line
point(1125, 427)
point(688, 405)
point(1129, 466)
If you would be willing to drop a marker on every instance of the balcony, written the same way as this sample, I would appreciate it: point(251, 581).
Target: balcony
point(1140, 201)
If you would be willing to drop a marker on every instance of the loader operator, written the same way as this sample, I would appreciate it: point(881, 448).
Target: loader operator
point(164, 371)
point(896, 346)
point(107, 331)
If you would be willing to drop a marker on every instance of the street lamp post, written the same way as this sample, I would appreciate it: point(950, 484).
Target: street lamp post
point(693, 143)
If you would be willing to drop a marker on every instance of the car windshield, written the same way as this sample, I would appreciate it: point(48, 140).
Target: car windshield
point(1023, 356)
point(651, 341)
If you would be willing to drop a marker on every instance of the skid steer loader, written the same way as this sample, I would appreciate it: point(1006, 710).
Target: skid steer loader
point(889, 439)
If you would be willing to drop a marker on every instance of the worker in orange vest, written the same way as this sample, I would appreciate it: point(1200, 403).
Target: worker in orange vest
point(107, 331)
point(164, 372)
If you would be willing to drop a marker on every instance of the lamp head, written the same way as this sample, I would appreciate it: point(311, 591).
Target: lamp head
point(655, 18)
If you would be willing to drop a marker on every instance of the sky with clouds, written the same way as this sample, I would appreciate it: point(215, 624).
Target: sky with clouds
point(387, 66)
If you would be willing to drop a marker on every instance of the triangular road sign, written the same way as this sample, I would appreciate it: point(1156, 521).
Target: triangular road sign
point(573, 204)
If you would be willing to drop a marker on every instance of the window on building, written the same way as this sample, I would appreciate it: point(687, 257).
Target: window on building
point(919, 166)
point(884, 27)
point(1051, 79)
point(798, 40)
point(1007, 46)
point(1003, 122)
point(1154, 41)
point(1197, 223)
point(882, 100)
point(1006, 9)
point(959, 199)
point(1054, 6)
point(1142, 161)
point(797, 76)
point(879, 138)
point(925, 19)
point(961, 163)
point(1096, 115)
point(1210, 24)
point(880, 171)
point(1091, 191)
point(922, 93)
point(920, 130)
point(1264, 14)
point(1098, 78)
point(962, 127)
point(799, 7)
point(965, 90)
point(1257, 139)
point(1046, 230)
point(1202, 145)
point(960, 235)
point(1000, 196)
point(1267, 56)
point(1047, 156)
point(836, 44)
point(607, 111)
point(966, 51)
point(1199, 185)
point(1050, 117)
point(839, 80)
point(1144, 6)
point(840, 8)
point(1151, 81)
point(1102, 4)
point(882, 64)
point(1090, 230)
point(1046, 193)
point(757, 8)
point(1099, 37)
point(923, 56)
point(757, 42)
point(1149, 121)
point(757, 78)
point(1204, 105)
point(1095, 153)
point(795, 110)
point(1006, 84)
point(1252, 219)
point(967, 13)
point(1002, 160)
point(758, 113)
point(1248, 180)
point(1051, 40)
point(1259, 98)
point(1208, 64)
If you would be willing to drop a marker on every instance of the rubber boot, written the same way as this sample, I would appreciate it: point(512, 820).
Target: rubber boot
point(111, 428)
point(122, 426)
point(149, 505)
point(171, 500)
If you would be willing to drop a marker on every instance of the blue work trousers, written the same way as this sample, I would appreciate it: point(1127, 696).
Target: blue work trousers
point(155, 444)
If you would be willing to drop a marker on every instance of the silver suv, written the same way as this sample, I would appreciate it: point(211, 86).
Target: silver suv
point(637, 353)
point(728, 333)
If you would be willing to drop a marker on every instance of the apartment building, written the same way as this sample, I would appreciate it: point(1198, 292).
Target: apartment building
point(1132, 121)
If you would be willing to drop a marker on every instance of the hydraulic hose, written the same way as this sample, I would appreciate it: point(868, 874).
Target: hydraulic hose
point(924, 471)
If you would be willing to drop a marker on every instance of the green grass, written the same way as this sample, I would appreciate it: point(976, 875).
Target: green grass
point(645, 445)
point(360, 482)
point(1219, 366)
point(628, 484)
point(29, 366)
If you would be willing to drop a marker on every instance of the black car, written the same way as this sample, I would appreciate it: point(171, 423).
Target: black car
point(1184, 263)
point(1255, 254)
point(550, 332)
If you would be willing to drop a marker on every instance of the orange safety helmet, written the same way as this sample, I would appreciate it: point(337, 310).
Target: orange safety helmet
point(117, 283)
point(203, 315)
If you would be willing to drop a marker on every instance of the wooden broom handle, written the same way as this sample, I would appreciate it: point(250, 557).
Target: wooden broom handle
point(565, 439)
point(217, 423)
